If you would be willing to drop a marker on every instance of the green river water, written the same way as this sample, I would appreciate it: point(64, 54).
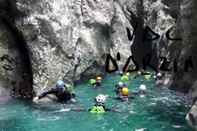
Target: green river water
point(160, 110)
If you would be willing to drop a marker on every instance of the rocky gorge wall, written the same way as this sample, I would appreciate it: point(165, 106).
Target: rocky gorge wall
point(187, 79)
point(68, 39)
point(15, 66)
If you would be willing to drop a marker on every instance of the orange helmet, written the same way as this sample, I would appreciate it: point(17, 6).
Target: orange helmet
point(98, 78)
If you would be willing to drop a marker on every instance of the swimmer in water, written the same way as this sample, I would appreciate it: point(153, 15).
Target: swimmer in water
point(96, 82)
point(99, 106)
point(142, 90)
point(122, 92)
point(60, 91)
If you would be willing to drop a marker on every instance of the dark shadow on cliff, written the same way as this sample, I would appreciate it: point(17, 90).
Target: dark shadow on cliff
point(8, 13)
point(141, 47)
point(9, 9)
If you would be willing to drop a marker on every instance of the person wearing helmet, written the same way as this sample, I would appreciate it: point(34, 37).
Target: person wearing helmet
point(124, 94)
point(159, 76)
point(98, 81)
point(119, 86)
point(128, 74)
point(60, 91)
point(138, 73)
point(142, 90)
point(122, 91)
point(121, 73)
point(124, 78)
point(147, 75)
point(99, 106)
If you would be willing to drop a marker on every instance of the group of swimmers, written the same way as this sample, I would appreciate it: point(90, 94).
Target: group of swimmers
point(64, 95)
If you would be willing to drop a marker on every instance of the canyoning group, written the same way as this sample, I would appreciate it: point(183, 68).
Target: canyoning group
point(65, 94)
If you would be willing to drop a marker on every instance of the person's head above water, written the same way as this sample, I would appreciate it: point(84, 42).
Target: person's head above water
point(98, 78)
point(139, 72)
point(125, 91)
point(120, 84)
point(60, 84)
point(101, 98)
point(159, 75)
point(142, 88)
point(121, 73)
point(128, 74)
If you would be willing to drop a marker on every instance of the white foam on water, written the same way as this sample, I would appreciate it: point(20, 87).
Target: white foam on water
point(64, 110)
point(49, 119)
point(141, 129)
point(177, 126)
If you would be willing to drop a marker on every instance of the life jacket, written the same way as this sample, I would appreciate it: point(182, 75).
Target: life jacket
point(97, 109)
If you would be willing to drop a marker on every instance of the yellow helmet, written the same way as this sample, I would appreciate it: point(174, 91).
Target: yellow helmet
point(125, 91)
point(98, 78)
point(128, 74)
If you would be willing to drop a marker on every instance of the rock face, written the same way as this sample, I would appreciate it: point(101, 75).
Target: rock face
point(151, 20)
point(182, 53)
point(69, 38)
point(15, 67)
point(189, 50)
point(175, 22)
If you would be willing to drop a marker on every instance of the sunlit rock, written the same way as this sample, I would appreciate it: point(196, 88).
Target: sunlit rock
point(66, 38)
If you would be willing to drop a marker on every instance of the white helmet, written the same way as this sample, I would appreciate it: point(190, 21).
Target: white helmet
point(142, 87)
point(159, 74)
point(120, 84)
point(101, 98)
point(139, 72)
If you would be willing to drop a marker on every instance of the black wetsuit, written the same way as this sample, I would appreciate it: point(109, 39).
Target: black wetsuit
point(63, 96)
point(97, 84)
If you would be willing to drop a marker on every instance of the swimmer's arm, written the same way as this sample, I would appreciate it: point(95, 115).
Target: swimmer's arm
point(52, 91)
point(108, 109)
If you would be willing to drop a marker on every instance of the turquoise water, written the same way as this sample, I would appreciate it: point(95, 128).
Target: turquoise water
point(160, 110)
